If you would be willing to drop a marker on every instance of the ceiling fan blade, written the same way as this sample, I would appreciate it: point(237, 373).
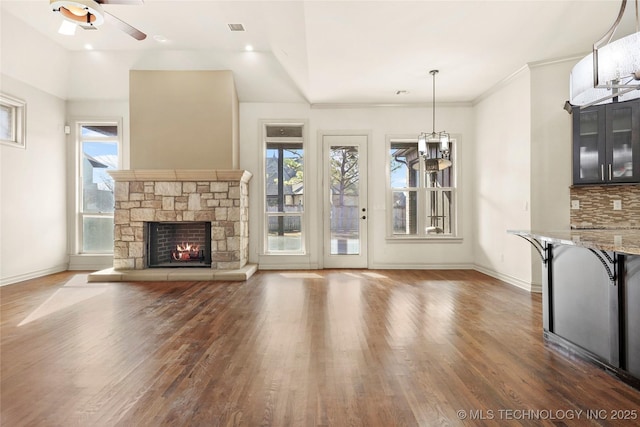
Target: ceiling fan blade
point(133, 32)
point(131, 2)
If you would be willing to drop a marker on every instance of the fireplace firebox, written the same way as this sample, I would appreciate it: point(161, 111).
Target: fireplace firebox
point(178, 244)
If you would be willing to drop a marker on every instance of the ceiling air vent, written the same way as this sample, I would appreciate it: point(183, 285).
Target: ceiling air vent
point(236, 27)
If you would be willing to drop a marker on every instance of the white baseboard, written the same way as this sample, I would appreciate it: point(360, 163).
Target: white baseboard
point(287, 266)
point(32, 275)
point(527, 286)
point(397, 266)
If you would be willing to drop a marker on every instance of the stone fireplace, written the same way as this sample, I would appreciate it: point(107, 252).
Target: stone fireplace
point(148, 200)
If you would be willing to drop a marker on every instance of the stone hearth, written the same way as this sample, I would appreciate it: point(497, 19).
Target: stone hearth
point(216, 196)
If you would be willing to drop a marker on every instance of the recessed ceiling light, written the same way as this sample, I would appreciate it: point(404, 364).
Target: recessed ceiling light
point(248, 48)
point(236, 27)
point(160, 38)
point(88, 46)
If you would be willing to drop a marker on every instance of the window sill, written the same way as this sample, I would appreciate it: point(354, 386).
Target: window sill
point(277, 254)
point(422, 239)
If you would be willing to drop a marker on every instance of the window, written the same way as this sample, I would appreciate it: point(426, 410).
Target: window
point(99, 152)
point(12, 121)
point(284, 189)
point(422, 192)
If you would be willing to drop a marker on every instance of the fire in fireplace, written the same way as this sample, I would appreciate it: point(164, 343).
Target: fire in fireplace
point(187, 252)
point(178, 244)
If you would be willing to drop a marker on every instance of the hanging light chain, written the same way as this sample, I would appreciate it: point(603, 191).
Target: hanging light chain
point(433, 102)
point(441, 137)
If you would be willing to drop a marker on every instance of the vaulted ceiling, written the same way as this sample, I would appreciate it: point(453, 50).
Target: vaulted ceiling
point(342, 51)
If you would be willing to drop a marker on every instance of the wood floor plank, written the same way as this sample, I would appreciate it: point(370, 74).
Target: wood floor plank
point(329, 348)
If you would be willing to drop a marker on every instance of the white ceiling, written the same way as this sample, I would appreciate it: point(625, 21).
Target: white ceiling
point(346, 51)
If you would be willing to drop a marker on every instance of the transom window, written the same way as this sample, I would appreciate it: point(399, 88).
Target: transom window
point(422, 191)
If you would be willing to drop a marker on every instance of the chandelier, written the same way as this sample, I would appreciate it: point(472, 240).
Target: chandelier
point(611, 71)
point(441, 138)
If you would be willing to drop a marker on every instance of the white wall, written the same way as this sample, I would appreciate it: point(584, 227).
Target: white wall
point(33, 223)
point(35, 60)
point(104, 75)
point(503, 180)
point(33, 232)
point(551, 143)
point(551, 146)
point(380, 122)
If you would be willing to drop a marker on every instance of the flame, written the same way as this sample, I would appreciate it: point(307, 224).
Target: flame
point(186, 251)
point(187, 247)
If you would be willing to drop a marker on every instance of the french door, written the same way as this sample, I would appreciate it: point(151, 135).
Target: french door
point(345, 209)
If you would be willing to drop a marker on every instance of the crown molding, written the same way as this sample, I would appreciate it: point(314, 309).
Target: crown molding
point(323, 106)
point(526, 67)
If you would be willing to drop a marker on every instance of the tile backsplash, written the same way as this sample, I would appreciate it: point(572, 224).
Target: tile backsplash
point(592, 206)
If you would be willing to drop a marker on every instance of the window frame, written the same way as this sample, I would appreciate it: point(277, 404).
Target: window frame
point(422, 192)
point(302, 213)
point(18, 108)
point(80, 213)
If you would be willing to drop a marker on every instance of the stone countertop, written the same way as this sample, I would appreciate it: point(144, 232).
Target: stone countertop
point(618, 240)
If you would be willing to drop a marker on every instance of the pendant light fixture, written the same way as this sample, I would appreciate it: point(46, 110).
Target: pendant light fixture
point(611, 71)
point(441, 138)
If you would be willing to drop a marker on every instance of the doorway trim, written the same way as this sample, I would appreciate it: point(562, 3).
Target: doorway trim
point(364, 261)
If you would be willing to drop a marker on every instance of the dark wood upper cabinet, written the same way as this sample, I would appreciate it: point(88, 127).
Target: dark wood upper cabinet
point(606, 143)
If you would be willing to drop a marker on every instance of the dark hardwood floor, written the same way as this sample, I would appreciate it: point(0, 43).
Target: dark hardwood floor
point(333, 347)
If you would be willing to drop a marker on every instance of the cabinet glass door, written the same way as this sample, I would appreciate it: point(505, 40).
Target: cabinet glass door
point(606, 143)
point(621, 145)
point(589, 157)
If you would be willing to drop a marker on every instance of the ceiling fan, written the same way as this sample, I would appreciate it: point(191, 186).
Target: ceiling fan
point(88, 14)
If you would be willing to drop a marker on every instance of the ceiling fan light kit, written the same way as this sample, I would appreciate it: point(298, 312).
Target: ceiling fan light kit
point(88, 14)
point(85, 13)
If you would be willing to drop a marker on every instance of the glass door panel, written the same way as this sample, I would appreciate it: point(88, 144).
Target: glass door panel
point(345, 201)
point(345, 206)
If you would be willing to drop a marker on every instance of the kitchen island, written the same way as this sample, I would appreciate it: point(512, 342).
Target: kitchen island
point(591, 295)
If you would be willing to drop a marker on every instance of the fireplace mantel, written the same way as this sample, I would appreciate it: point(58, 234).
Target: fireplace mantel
point(181, 175)
point(220, 197)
